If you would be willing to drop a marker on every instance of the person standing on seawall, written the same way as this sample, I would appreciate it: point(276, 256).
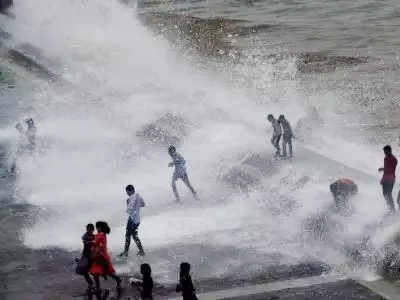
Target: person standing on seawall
point(179, 173)
point(101, 261)
point(287, 136)
point(134, 203)
point(389, 176)
point(276, 136)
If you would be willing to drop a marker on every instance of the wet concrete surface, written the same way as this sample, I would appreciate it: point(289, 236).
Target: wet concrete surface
point(345, 289)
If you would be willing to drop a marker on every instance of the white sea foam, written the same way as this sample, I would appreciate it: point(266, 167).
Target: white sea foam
point(123, 78)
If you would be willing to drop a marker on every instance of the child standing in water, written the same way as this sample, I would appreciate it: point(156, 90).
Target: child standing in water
point(101, 262)
point(179, 173)
point(185, 284)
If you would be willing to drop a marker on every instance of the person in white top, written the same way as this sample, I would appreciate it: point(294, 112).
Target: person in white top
point(179, 173)
point(134, 203)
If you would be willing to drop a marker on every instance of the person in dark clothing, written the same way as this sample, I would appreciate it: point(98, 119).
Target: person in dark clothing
point(342, 190)
point(145, 287)
point(287, 136)
point(389, 176)
point(277, 133)
point(185, 284)
point(84, 263)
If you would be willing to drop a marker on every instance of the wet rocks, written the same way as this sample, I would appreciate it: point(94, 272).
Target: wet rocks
point(320, 63)
point(167, 130)
point(248, 172)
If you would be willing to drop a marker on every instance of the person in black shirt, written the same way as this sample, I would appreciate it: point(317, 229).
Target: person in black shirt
point(145, 287)
point(84, 263)
point(185, 284)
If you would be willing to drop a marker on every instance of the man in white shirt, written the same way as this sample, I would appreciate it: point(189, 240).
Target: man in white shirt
point(134, 203)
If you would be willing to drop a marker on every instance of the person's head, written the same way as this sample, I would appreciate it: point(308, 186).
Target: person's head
point(281, 118)
point(185, 268)
point(130, 189)
point(171, 150)
point(29, 122)
point(90, 228)
point(145, 269)
point(270, 117)
point(102, 226)
point(387, 150)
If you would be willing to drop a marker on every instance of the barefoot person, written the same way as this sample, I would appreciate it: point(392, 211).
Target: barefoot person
point(134, 203)
point(101, 262)
point(389, 176)
point(179, 173)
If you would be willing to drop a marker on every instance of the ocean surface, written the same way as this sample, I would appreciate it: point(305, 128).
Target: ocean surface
point(111, 84)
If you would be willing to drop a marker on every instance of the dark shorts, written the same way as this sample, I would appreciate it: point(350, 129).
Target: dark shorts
point(387, 188)
point(181, 174)
point(131, 227)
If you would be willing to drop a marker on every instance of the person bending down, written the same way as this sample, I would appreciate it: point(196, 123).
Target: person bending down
point(179, 173)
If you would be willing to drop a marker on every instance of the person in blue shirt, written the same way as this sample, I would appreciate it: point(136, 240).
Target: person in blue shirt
point(134, 203)
point(179, 173)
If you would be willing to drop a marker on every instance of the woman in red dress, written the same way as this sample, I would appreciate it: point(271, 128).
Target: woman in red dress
point(101, 264)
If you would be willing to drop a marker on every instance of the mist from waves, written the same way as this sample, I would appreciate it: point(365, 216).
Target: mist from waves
point(124, 79)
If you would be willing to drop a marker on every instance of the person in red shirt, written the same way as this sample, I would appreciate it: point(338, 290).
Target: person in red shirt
point(101, 262)
point(389, 176)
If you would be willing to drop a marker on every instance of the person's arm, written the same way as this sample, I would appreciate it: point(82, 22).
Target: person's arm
point(179, 286)
point(180, 160)
point(384, 166)
point(142, 204)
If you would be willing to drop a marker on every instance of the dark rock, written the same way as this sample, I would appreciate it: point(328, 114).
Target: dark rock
point(242, 177)
point(167, 130)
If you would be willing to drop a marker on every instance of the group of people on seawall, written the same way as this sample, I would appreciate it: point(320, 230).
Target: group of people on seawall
point(343, 189)
point(281, 128)
point(95, 262)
